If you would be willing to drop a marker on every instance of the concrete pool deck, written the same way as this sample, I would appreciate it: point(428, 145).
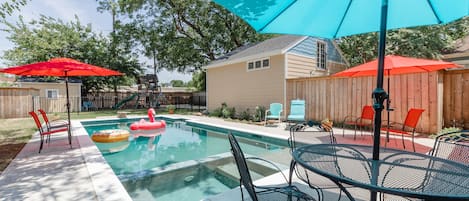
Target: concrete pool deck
point(81, 173)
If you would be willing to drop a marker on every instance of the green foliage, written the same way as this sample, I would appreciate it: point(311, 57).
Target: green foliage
point(228, 112)
point(216, 112)
point(245, 115)
point(181, 35)
point(45, 38)
point(224, 111)
point(171, 107)
point(8, 7)
point(259, 114)
point(421, 42)
point(177, 83)
point(198, 81)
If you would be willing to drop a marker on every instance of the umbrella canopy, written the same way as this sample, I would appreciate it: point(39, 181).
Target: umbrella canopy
point(394, 65)
point(337, 18)
point(62, 67)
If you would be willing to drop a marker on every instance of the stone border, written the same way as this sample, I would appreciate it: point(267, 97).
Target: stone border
point(106, 184)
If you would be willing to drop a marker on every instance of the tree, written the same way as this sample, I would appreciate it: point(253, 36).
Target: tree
point(198, 81)
point(42, 39)
point(423, 42)
point(177, 83)
point(8, 7)
point(185, 35)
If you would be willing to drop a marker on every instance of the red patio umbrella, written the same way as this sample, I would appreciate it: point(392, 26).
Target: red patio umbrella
point(394, 65)
point(61, 67)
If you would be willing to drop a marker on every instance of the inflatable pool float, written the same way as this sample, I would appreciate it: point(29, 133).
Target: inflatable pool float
point(149, 128)
point(110, 136)
point(108, 148)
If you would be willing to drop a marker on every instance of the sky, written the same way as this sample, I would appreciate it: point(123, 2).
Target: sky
point(86, 10)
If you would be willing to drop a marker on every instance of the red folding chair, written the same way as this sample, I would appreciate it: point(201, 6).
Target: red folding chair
point(365, 120)
point(409, 126)
point(54, 124)
point(43, 133)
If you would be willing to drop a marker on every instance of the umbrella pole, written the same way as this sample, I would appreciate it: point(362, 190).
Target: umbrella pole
point(379, 95)
point(68, 112)
point(388, 108)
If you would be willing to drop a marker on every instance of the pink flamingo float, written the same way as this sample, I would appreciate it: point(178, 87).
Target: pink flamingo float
point(149, 128)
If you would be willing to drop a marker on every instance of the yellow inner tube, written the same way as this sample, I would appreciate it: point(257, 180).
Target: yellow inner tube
point(110, 135)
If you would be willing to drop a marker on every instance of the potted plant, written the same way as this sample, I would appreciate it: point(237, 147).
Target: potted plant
point(171, 109)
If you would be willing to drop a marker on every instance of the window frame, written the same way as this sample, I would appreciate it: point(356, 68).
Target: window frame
point(253, 62)
point(321, 55)
point(52, 90)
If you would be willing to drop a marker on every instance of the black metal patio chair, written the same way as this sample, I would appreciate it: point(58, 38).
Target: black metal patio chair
point(452, 146)
point(289, 192)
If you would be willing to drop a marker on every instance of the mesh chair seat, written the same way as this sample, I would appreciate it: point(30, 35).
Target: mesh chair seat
point(256, 193)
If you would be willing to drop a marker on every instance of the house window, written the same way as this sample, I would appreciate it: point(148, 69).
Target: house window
point(258, 64)
point(250, 65)
point(52, 93)
point(321, 55)
point(265, 63)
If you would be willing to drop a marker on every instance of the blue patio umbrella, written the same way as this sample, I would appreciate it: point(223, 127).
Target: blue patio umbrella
point(338, 18)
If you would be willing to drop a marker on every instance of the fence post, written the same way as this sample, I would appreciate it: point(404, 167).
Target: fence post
point(199, 103)
point(192, 102)
point(32, 98)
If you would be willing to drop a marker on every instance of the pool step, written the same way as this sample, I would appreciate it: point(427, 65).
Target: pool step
point(257, 169)
point(230, 171)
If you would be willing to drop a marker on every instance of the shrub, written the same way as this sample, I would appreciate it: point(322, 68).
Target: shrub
point(216, 113)
point(259, 114)
point(245, 115)
point(228, 112)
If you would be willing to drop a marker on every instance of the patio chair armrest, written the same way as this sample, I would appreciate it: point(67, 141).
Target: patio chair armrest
point(269, 162)
point(265, 115)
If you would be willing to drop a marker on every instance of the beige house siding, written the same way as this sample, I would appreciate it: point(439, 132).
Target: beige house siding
point(243, 89)
point(56, 105)
point(302, 66)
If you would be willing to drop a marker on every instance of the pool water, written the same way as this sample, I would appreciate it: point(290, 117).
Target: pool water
point(181, 151)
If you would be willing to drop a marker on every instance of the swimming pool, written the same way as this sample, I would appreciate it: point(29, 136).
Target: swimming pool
point(187, 162)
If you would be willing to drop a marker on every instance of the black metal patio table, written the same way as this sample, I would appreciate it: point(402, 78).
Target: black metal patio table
point(398, 172)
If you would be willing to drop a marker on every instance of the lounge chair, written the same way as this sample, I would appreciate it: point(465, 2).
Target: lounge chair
point(407, 128)
point(42, 132)
point(275, 111)
point(88, 106)
point(365, 120)
point(297, 111)
point(52, 124)
point(281, 192)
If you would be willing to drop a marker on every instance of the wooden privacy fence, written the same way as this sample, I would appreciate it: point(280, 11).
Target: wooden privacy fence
point(336, 98)
point(456, 98)
point(16, 102)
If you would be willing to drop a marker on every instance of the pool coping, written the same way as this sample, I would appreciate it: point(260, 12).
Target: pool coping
point(101, 174)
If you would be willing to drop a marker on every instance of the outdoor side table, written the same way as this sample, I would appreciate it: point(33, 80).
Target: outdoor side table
point(398, 172)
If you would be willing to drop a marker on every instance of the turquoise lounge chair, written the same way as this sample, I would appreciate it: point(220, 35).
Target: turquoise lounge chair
point(275, 111)
point(297, 111)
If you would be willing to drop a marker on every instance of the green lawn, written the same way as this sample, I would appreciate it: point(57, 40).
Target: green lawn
point(16, 132)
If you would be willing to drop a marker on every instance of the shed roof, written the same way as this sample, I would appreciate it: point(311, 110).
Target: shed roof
point(270, 47)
